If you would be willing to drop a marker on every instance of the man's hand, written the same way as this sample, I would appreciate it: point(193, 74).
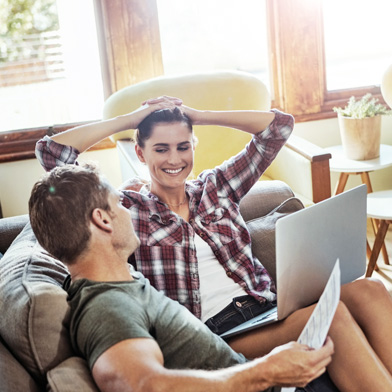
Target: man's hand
point(133, 184)
point(138, 364)
point(295, 364)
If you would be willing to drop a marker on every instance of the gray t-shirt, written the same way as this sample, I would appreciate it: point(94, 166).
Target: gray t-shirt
point(105, 313)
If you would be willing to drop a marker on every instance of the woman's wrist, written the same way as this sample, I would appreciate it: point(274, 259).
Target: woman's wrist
point(133, 119)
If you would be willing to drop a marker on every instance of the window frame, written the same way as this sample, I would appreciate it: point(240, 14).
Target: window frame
point(130, 49)
point(298, 43)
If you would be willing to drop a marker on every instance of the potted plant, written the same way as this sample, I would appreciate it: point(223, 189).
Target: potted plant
point(360, 127)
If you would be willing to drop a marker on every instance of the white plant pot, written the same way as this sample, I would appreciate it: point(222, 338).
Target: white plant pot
point(360, 137)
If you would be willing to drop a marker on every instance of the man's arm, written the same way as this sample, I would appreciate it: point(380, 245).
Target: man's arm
point(137, 365)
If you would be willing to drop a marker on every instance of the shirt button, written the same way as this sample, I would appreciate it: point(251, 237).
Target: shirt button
point(239, 304)
point(191, 221)
point(228, 273)
point(201, 235)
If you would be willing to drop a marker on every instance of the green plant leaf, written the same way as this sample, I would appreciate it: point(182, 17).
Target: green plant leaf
point(367, 106)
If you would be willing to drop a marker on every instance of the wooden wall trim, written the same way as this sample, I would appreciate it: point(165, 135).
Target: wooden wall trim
point(20, 145)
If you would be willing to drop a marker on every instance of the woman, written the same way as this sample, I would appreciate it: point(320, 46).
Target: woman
point(195, 245)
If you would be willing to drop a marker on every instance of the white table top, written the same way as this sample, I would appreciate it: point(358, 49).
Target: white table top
point(339, 162)
point(379, 205)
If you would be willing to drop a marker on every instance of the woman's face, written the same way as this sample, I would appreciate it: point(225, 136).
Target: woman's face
point(168, 154)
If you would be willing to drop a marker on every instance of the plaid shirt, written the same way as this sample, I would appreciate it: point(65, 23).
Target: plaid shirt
point(167, 254)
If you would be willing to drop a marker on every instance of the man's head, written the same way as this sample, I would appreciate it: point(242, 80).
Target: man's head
point(62, 206)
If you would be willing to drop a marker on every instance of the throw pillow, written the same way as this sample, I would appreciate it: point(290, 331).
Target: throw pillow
point(33, 306)
point(262, 232)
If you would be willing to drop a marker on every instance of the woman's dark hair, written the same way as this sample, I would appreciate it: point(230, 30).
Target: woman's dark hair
point(167, 116)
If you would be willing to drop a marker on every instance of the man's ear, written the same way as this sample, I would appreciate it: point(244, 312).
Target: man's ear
point(139, 153)
point(102, 220)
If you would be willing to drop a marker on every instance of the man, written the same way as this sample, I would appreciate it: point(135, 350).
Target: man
point(133, 337)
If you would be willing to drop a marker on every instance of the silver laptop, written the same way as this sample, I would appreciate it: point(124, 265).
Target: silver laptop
point(308, 242)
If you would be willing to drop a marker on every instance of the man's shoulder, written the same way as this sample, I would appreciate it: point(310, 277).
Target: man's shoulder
point(85, 290)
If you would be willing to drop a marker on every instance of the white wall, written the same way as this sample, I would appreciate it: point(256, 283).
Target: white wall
point(17, 178)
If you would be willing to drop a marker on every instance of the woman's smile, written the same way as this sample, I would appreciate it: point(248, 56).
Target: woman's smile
point(173, 171)
point(168, 154)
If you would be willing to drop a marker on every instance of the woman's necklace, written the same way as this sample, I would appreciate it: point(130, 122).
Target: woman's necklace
point(178, 205)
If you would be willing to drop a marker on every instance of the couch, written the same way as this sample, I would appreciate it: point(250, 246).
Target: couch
point(35, 350)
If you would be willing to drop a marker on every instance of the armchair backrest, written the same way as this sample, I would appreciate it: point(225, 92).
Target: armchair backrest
point(224, 90)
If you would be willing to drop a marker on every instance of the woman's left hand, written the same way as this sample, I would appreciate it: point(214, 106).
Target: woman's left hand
point(165, 102)
point(149, 106)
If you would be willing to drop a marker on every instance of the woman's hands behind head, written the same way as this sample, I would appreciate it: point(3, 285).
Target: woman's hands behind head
point(163, 102)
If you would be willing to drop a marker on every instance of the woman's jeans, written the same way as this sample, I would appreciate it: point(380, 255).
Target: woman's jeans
point(241, 309)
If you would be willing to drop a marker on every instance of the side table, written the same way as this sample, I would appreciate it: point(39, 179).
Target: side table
point(346, 167)
point(379, 206)
point(340, 164)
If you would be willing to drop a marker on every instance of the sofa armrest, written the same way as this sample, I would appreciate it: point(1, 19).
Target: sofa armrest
point(9, 230)
point(304, 167)
point(319, 162)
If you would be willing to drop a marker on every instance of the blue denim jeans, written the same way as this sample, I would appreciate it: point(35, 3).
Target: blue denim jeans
point(240, 309)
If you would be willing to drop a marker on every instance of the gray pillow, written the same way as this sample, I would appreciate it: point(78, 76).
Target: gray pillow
point(33, 306)
point(262, 232)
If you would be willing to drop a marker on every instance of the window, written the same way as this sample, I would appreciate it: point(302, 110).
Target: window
point(49, 64)
point(208, 35)
point(358, 48)
point(301, 61)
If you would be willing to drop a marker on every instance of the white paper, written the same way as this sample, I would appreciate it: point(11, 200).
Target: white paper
point(316, 329)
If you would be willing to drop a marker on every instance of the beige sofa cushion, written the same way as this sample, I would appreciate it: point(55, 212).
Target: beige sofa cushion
point(70, 376)
point(13, 377)
point(33, 306)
